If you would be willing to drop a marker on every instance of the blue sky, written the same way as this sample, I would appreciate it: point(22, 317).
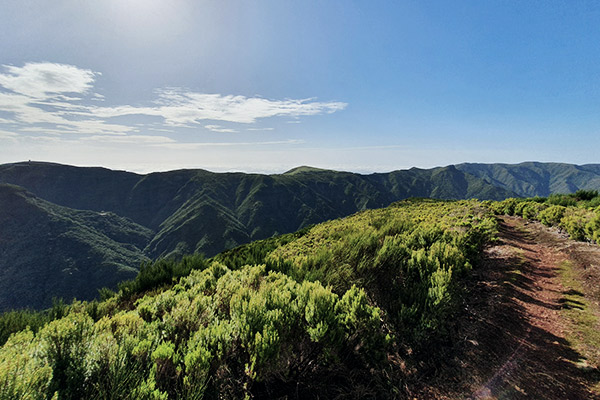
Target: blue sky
point(263, 86)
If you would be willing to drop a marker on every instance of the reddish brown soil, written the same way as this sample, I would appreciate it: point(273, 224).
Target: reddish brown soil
point(511, 341)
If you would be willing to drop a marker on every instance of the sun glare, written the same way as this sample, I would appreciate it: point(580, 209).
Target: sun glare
point(146, 19)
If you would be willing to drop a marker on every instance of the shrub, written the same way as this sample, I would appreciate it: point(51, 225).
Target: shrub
point(584, 195)
point(552, 215)
point(532, 210)
point(505, 207)
point(161, 272)
point(316, 317)
point(64, 346)
point(562, 200)
point(592, 228)
point(23, 375)
point(574, 224)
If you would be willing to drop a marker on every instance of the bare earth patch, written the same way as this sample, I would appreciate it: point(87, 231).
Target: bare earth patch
point(529, 328)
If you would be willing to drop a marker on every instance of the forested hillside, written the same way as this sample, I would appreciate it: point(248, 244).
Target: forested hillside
point(196, 211)
point(51, 251)
point(132, 217)
point(531, 179)
point(201, 211)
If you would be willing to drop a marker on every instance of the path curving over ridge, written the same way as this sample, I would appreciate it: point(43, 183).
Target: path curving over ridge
point(530, 326)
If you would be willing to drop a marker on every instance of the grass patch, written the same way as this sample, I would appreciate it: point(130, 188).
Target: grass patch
point(513, 275)
point(519, 262)
point(584, 325)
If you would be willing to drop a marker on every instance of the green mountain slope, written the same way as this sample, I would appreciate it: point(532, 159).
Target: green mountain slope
point(219, 211)
point(346, 309)
point(196, 210)
point(200, 211)
point(97, 189)
point(531, 179)
point(48, 250)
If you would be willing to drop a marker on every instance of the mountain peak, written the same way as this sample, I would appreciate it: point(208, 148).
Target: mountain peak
point(305, 168)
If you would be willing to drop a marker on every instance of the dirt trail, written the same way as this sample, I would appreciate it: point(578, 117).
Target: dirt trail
point(519, 336)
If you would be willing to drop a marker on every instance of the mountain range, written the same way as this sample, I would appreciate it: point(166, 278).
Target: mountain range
point(67, 231)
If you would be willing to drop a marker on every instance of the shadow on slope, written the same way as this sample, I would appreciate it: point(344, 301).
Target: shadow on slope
point(50, 251)
point(508, 342)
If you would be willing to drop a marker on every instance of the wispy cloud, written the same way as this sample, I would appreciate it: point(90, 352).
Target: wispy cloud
point(180, 107)
point(39, 96)
point(135, 139)
point(44, 80)
point(219, 128)
point(184, 108)
point(57, 99)
point(230, 144)
point(5, 135)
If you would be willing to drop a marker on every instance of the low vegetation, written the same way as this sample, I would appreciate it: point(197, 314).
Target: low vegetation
point(345, 308)
point(578, 214)
point(51, 247)
point(583, 322)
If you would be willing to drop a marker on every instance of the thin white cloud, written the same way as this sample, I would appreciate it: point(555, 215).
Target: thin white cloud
point(24, 111)
point(260, 129)
point(230, 144)
point(219, 128)
point(133, 139)
point(49, 139)
point(86, 127)
point(92, 126)
point(5, 135)
point(67, 98)
point(180, 107)
point(160, 130)
point(36, 98)
point(184, 108)
point(56, 98)
point(42, 80)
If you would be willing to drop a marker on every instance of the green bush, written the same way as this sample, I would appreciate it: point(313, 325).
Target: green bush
point(409, 257)
point(564, 200)
point(322, 314)
point(63, 346)
point(23, 375)
point(162, 272)
point(532, 210)
point(17, 320)
point(574, 223)
point(592, 228)
point(505, 207)
point(552, 215)
point(583, 195)
point(576, 213)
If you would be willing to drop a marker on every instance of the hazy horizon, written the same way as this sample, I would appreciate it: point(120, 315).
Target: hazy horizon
point(251, 170)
